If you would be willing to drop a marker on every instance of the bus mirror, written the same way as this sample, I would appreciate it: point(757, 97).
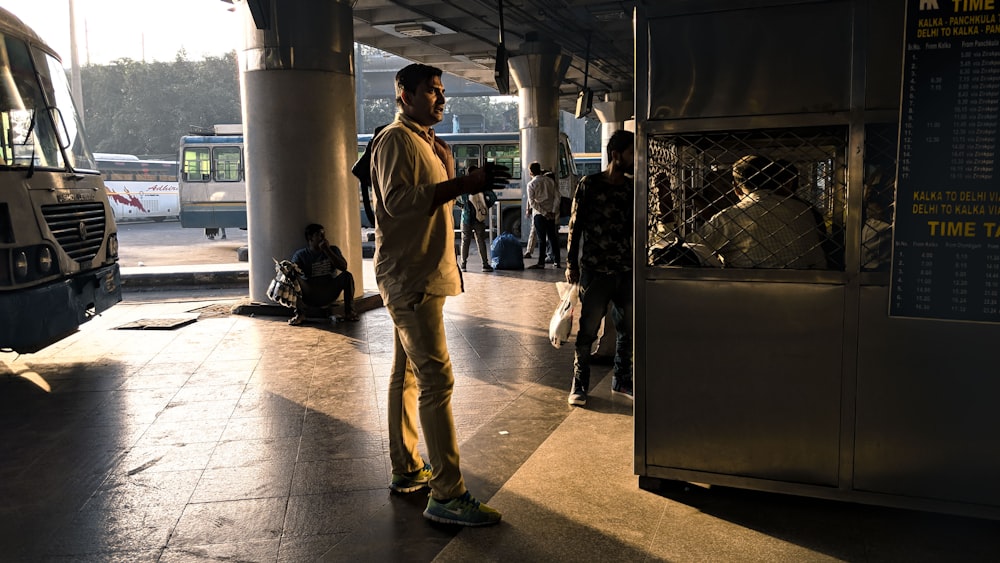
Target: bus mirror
point(61, 133)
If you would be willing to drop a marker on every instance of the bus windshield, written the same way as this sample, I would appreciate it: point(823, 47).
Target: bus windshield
point(66, 120)
point(32, 131)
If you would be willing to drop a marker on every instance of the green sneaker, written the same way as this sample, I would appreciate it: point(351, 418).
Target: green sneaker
point(464, 511)
point(412, 481)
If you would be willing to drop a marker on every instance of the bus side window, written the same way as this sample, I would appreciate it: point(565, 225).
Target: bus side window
point(228, 165)
point(563, 163)
point(197, 164)
point(465, 155)
point(505, 155)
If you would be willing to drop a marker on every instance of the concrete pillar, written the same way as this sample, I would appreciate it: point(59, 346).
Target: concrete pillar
point(297, 79)
point(614, 111)
point(538, 70)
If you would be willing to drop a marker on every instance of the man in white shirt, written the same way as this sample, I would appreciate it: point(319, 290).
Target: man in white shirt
point(543, 200)
point(767, 228)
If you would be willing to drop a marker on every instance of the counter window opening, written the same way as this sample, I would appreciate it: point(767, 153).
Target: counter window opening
point(879, 206)
point(771, 199)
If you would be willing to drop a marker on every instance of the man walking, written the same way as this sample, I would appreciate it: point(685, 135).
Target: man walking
point(600, 260)
point(413, 174)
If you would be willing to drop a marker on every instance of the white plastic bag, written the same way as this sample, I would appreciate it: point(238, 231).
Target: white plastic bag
point(561, 324)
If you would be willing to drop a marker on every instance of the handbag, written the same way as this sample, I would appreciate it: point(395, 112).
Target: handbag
point(479, 206)
point(284, 289)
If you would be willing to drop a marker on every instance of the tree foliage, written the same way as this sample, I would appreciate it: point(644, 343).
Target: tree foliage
point(141, 108)
point(144, 108)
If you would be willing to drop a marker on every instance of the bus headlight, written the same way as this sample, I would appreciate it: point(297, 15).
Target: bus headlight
point(113, 246)
point(21, 265)
point(44, 260)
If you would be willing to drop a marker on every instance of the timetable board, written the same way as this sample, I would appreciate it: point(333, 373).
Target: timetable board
point(946, 239)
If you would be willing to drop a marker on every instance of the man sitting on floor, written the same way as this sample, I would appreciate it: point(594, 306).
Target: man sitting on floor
point(325, 276)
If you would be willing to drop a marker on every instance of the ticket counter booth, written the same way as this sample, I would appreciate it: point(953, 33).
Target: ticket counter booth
point(778, 372)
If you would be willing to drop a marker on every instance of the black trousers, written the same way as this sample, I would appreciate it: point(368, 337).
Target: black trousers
point(545, 229)
point(321, 292)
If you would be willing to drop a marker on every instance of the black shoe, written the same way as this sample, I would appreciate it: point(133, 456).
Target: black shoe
point(465, 268)
point(536, 267)
point(487, 268)
point(622, 387)
point(577, 395)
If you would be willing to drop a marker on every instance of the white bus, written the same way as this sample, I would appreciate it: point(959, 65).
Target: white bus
point(58, 241)
point(212, 181)
point(140, 189)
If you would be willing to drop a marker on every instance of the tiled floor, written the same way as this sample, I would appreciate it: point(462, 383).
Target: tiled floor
point(238, 438)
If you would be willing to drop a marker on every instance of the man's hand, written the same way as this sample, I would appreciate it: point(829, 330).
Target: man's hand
point(496, 176)
point(492, 177)
point(572, 275)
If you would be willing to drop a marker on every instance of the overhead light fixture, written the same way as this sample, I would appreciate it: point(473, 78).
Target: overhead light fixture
point(615, 15)
point(414, 29)
point(485, 60)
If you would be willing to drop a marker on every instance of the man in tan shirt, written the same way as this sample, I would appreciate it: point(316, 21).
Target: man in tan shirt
point(413, 174)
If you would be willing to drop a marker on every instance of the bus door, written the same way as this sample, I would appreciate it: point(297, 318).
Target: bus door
point(567, 181)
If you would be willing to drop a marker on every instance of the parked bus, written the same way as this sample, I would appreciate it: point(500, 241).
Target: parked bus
point(140, 189)
point(504, 149)
point(588, 163)
point(213, 191)
point(212, 182)
point(58, 241)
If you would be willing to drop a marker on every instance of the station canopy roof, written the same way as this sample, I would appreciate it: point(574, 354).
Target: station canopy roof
point(461, 37)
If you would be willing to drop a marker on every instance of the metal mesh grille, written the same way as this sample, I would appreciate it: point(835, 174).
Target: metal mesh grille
point(78, 227)
point(789, 214)
point(879, 196)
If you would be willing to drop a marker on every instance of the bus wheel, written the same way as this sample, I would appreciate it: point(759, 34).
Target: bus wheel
point(158, 219)
point(512, 222)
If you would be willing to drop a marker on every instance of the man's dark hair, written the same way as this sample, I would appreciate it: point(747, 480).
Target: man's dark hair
point(754, 172)
point(621, 140)
point(535, 168)
point(412, 76)
point(312, 229)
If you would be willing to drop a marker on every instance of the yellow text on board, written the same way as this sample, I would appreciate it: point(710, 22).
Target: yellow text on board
point(963, 229)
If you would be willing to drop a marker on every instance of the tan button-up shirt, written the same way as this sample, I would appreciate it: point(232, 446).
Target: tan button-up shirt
point(414, 243)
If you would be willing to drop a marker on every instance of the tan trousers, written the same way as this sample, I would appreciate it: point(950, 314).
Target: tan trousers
point(421, 373)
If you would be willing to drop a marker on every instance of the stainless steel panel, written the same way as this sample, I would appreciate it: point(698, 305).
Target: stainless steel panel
point(927, 418)
point(743, 378)
point(784, 59)
point(884, 54)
